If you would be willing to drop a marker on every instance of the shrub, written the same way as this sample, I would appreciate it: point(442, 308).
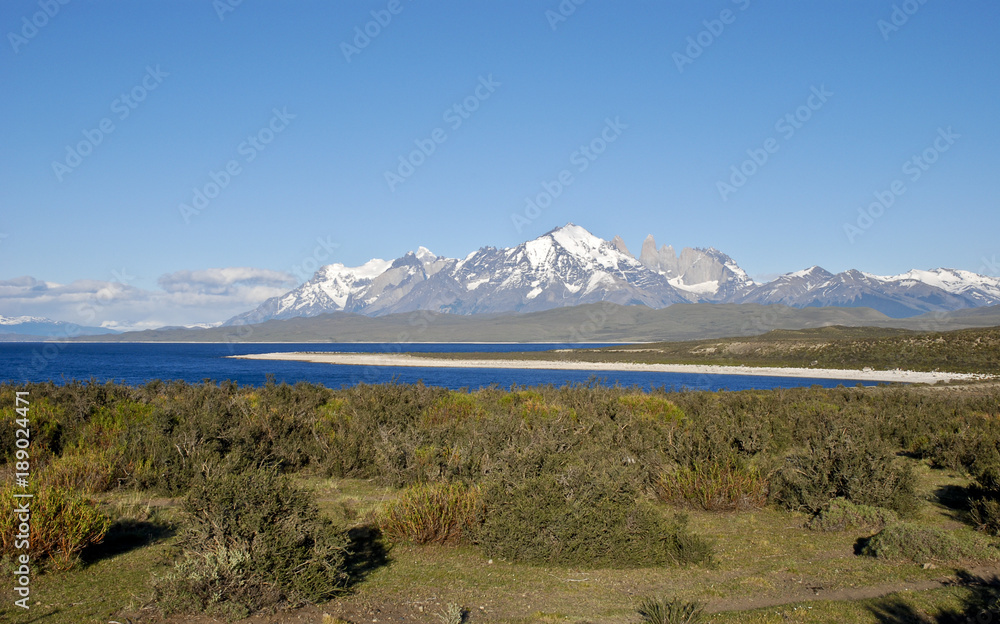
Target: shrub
point(62, 524)
point(254, 540)
point(714, 486)
point(453, 408)
point(94, 471)
point(651, 407)
point(670, 611)
point(431, 514)
point(583, 518)
point(985, 515)
point(860, 469)
point(843, 515)
point(921, 543)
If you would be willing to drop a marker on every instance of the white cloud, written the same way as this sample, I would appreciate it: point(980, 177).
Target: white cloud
point(184, 298)
point(224, 281)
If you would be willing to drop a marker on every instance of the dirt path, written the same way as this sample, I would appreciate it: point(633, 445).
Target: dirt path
point(359, 611)
point(804, 592)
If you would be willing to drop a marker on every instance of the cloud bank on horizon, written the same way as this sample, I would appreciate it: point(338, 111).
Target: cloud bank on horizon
point(183, 298)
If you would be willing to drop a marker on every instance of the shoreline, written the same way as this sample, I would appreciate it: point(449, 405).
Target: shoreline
point(402, 359)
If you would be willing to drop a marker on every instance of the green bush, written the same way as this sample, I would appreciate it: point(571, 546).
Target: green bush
point(714, 486)
point(426, 514)
point(843, 515)
point(985, 514)
point(651, 407)
point(921, 543)
point(62, 524)
point(253, 541)
point(582, 517)
point(984, 496)
point(861, 469)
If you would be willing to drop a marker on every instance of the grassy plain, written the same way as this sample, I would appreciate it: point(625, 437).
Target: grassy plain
point(838, 347)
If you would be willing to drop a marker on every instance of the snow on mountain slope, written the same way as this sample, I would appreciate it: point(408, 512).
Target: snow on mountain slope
point(570, 266)
point(909, 294)
point(964, 283)
point(19, 320)
point(46, 327)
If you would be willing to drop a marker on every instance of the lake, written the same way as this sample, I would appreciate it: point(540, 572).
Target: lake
point(138, 363)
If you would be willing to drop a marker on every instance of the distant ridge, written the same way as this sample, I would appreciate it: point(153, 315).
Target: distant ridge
point(600, 322)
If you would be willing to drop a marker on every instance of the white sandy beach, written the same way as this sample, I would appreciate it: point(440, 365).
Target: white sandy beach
point(403, 359)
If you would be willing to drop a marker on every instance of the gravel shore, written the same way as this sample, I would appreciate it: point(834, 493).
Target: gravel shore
point(403, 359)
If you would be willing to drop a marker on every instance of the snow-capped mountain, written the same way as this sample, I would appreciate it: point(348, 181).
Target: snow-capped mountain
point(570, 266)
point(37, 326)
point(703, 275)
point(980, 289)
point(567, 266)
point(898, 296)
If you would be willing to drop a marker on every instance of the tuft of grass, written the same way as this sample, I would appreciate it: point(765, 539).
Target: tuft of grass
point(62, 523)
point(670, 611)
point(453, 614)
point(424, 514)
point(843, 515)
point(921, 543)
point(714, 486)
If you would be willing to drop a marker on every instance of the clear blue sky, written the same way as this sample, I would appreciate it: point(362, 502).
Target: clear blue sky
point(216, 81)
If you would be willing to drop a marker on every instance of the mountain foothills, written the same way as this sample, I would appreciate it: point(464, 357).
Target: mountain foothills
point(569, 266)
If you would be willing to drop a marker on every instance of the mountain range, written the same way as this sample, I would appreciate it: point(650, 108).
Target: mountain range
point(569, 266)
point(35, 327)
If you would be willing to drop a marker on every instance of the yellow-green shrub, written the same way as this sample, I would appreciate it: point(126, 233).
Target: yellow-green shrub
point(431, 514)
point(62, 524)
point(714, 486)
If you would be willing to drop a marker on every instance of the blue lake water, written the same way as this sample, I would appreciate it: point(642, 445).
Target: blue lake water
point(138, 363)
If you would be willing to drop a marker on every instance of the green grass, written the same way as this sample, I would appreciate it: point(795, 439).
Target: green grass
point(962, 351)
point(758, 555)
point(114, 578)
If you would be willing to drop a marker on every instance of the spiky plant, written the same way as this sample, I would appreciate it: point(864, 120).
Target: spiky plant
point(670, 611)
point(452, 614)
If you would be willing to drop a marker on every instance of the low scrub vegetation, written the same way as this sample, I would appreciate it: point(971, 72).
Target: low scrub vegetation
point(922, 544)
point(582, 476)
point(843, 515)
point(582, 517)
point(835, 462)
point(254, 541)
point(960, 351)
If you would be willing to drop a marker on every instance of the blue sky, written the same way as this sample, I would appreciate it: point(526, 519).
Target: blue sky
point(309, 117)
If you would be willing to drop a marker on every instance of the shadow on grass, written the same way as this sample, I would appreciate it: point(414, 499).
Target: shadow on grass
point(953, 497)
point(368, 553)
point(859, 545)
point(125, 536)
point(982, 606)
